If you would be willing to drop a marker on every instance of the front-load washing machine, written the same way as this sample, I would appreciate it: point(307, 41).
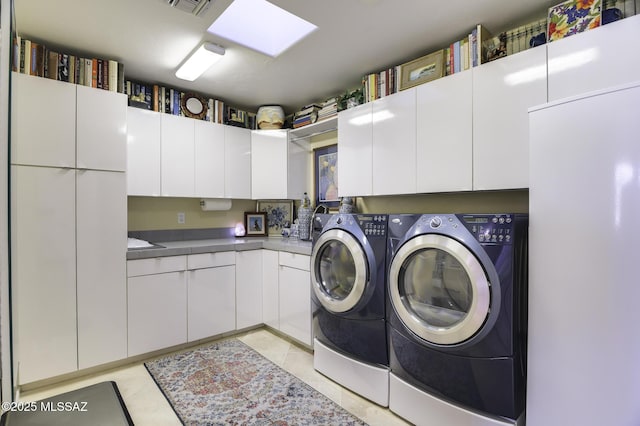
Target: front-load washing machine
point(348, 262)
point(457, 318)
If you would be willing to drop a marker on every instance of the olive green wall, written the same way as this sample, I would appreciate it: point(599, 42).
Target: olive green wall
point(161, 213)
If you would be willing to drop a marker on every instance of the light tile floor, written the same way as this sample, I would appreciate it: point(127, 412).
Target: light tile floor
point(148, 406)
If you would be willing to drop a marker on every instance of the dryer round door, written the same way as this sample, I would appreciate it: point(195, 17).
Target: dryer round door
point(340, 271)
point(439, 289)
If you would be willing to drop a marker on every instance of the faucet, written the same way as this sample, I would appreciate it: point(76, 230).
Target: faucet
point(313, 217)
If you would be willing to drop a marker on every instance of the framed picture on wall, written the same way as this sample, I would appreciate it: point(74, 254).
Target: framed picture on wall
point(255, 223)
point(279, 213)
point(325, 172)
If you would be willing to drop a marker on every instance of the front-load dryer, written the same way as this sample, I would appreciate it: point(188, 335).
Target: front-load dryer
point(348, 262)
point(457, 318)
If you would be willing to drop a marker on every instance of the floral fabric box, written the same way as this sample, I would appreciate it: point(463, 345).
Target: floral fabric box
point(573, 17)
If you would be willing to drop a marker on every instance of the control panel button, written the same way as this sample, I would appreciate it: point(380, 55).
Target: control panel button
point(435, 222)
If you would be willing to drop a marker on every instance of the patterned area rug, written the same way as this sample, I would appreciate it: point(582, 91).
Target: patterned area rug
point(228, 383)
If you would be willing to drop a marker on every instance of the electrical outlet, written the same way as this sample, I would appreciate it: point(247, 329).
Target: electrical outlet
point(181, 218)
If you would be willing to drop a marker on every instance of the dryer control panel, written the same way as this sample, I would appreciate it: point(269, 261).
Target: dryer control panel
point(497, 229)
point(373, 225)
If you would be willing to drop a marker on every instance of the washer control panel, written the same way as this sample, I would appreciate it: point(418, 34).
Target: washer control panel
point(373, 225)
point(496, 229)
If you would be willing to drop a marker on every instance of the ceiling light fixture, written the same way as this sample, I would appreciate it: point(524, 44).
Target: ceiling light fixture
point(261, 26)
point(199, 61)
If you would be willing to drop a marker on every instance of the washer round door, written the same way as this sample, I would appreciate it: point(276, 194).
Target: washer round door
point(340, 271)
point(439, 289)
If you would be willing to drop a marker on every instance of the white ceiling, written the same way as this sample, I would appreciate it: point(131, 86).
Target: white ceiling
point(354, 38)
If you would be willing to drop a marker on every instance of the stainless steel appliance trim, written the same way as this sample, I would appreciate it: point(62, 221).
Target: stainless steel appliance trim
point(480, 287)
point(359, 258)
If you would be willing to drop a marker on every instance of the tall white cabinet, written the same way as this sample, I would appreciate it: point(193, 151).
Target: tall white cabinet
point(583, 345)
point(68, 227)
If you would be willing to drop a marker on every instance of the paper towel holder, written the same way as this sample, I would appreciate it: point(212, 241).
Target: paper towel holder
point(215, 204)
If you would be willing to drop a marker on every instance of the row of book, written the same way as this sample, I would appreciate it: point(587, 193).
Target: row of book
point(34, 58)
point(380, 84)
point(168, 100)
point(313, 113)
point(468, 52)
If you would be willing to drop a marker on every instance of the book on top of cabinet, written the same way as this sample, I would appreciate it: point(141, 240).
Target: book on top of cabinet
point(37, 59)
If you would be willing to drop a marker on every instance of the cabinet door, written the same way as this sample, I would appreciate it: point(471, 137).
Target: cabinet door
point(209, 159)
point(394, 144)
point(248, 288)
point(101, 269)
point(355, 151)
point(101, 132)
point(269, 164)
point(444, 151)
point(237, 152)
point(177, 156)
point(295, 303)
point(270, 280)
point(143, 152)
point(503, 91)
point(157, 312)
point(211, 302)
point(43, 271)
point(596, 59)
point(298, 173)
point(43, 122)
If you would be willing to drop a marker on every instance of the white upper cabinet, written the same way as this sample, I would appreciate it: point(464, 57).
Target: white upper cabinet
point(76, 126)
point(603, 57)
point(143, 152)
point(237, 154)
point(394, 144)
point(355, 134)
point(101, 129)
point(43, 122)
point(209, 160)
point(177, 156)
point(503, 91)
point(269, 164)
point(444, 134)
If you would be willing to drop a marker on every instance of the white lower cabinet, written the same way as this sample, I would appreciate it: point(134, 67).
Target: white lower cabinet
point(294, 296)
point(270, 302)
point(286, 294)
point(178, 299)
point(248, 288)
point(211, 294)
point(157, 303)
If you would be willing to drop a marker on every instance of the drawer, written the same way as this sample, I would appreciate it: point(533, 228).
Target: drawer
point(156, 265)
point(295, 260)
point(211, 260)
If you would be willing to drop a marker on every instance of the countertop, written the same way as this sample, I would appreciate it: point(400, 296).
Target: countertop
point(177, 248)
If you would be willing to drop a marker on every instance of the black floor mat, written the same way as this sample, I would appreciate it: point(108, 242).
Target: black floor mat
point(96, 405)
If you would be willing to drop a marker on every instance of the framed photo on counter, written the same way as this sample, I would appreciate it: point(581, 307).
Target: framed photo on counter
point(255, 223)
point(279, 213)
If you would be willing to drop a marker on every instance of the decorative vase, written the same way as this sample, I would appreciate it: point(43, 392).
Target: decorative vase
point(270, 117)
point(346, 205)
point(304, 218)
